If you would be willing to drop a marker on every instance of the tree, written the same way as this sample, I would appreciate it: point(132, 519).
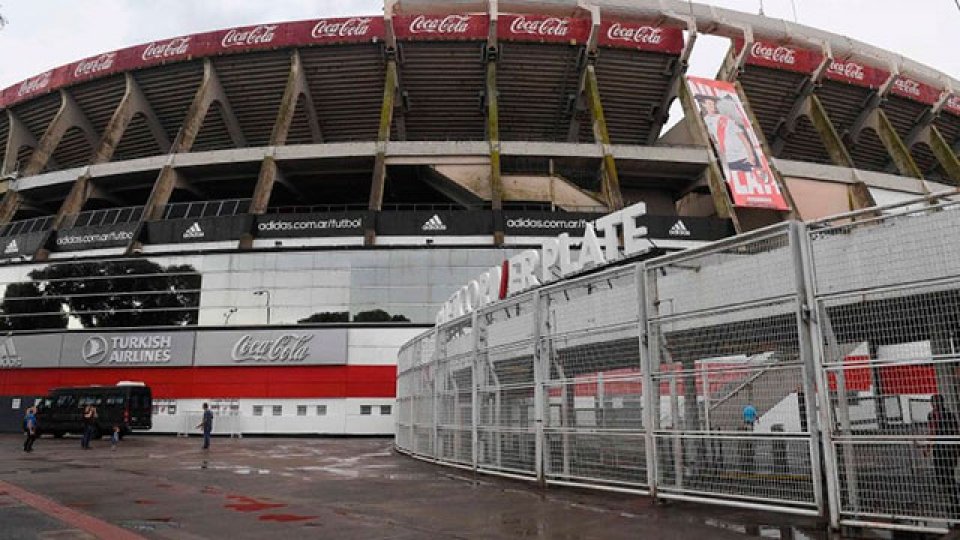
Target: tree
point(378, 315)
point(107, 294)
point(327, 317)
point(30, 309)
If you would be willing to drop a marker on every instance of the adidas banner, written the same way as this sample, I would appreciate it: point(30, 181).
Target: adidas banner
point(106, 236)
point(177, 231)
point(437, 223)
point(311, 225)
point(687, 228)
point(546, 223)
point(23, 245)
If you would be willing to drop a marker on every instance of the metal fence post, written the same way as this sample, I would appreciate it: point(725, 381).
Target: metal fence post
point(824, 422)
point(538, 391)
point(647, 388)
point(474, 391)
point(439, 351)
point(809, 386)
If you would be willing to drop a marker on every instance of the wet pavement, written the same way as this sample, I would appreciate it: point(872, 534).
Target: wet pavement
point(166, 487)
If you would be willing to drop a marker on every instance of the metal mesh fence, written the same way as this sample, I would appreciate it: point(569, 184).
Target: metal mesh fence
point(811, 369)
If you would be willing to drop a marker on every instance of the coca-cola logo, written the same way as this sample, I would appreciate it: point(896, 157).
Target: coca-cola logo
point(636, 34)
point(451, 24)
point(953, 103)
point(353, 27)
point(850, 70)
point(174, 47)
point(35, 84)
point(907, 86)
point(778, 54)
point(551, 26)
point(286, 348)
point(257, 35)
point(95, 65)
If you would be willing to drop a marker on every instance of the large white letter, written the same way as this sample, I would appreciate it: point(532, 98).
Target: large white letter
point(549, 253)
point(634, 238)
point(591, 255)
point(522, 271)
point(567, 266)
point(611, 241)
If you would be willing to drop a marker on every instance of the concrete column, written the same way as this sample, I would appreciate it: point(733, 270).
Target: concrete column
point(800, 105)
point(946, 156)
point(894, 145)
point(70, 115)
point(71, 205)
point(132, 103)
point(18, 136)
point(383, 137)
point(611, 181)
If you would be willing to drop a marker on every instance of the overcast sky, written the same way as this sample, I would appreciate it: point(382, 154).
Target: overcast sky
point(42, 34)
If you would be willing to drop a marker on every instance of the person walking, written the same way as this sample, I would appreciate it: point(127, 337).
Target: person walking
point(207, 425)
point(115, 438)
point(89, 425)
point(30, 426)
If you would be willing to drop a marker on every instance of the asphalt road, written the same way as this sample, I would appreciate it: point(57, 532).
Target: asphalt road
point(167, 487)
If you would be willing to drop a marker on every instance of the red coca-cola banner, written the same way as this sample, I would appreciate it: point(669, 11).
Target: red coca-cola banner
point(542, 28)
point(856, 73)
point(639, 35)
point(745, 166)
point(240, 39)
point(915, 90)
point(777, 56)
point(952, 105)
point(441, 27)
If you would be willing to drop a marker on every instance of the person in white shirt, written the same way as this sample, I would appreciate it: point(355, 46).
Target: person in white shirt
point(732, 142)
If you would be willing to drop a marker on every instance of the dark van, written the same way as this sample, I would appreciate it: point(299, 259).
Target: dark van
point(128, 405)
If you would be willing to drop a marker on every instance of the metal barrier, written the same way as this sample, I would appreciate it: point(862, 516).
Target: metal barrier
point(802, 368)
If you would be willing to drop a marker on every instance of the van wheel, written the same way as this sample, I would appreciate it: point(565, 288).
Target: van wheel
point(58, 434)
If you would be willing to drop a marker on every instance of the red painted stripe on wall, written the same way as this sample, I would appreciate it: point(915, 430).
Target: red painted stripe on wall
point(220, 382)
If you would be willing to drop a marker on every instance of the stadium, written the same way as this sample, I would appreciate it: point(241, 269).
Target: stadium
point(261, 216)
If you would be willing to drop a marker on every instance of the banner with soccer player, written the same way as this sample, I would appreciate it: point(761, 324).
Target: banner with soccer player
point(745, 166)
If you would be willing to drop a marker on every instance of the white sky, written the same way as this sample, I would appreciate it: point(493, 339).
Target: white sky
point(43, 34)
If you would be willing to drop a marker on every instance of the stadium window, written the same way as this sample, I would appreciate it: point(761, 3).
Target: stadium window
point(321, 410)
point(278, 410)
point(385, 410)
point(301, 410)
point(258, 410)
point(366, 409)
point(172, 408)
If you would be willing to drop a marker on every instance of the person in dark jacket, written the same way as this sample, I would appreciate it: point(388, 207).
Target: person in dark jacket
point(207, 425)
point(89, 426)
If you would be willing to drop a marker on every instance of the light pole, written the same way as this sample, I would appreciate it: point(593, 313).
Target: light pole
point(264, 292)
point(226, 316)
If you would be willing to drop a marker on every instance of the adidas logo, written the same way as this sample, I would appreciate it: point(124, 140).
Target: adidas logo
point(194, 231)
point(434, 224)
point(11, 248)
point(679, 229)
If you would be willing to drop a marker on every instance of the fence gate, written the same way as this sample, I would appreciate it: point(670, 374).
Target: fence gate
point(887, 295)
point(729, 359)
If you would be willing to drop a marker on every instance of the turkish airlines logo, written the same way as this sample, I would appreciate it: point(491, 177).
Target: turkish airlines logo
point(35, 84)
point(451, 24)
point(174, 47)
point(95, 65)
point(353, 27)
point(907, 86)
point(635, 34)
point(258, 35)
point(779, 55)
point(551, 26)
point(849, 70)
point(94, 350)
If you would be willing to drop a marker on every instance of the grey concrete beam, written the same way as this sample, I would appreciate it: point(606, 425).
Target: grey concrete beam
point(133, 102)
point(296, 87)
point(18, 136)
point(677, 74)
point(219, 96)
point(800, 105)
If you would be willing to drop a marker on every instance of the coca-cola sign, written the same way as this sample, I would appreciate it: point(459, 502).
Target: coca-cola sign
point(781, 56)
point(287, 348)
point(257, 35)
point(641, 36)
point(542, 28)
point(354, 27)
point(847, 70)
point(95, 65)
point(856, 73)
point(776, 54)
point(953, 104)
point(455, 26)
point(35, 84)
point(915, 90)
point(166, 49)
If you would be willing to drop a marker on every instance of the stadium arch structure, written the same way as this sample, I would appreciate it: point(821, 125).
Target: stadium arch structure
point(261, 215)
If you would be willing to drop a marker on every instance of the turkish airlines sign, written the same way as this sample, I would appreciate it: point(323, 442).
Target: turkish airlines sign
point(542, 28)
point(639, 35)
point(441, 27)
